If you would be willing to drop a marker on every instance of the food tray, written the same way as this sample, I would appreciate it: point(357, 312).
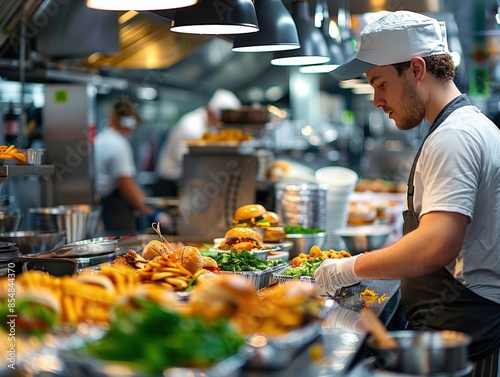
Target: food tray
point(278, 352)
point(284, 278)
point(259, 279)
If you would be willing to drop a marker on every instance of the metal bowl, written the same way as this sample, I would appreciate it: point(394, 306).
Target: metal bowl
point(359, 239)
point(10, 222)
point(423, 353)
point(302, 243)
point(35, 242)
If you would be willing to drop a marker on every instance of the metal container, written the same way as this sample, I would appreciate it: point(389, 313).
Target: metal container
point(359, 239)
point(302, 204)
point(35, 242)
point(10, 222)
point(78, 221)
point(423, 352)
point(302, 243)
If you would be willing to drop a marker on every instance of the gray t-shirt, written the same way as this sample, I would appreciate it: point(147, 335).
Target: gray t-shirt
point(459, 171)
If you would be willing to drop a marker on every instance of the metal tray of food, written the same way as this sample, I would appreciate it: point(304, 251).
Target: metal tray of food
point(278, 352)
point(85, 248)
point(259, 279)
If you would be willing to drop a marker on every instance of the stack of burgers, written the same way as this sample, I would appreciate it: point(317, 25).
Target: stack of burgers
point(252, 226)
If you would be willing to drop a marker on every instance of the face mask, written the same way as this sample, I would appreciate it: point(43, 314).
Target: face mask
point(128, 122)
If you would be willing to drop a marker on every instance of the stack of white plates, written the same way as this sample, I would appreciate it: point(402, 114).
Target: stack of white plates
point(302, 204)
point(341, 183)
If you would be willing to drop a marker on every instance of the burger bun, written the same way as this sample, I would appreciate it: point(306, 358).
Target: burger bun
point(155, 248)
point(188, 257)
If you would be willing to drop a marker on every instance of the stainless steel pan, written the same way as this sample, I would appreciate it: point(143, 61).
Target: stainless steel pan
point(85, 248)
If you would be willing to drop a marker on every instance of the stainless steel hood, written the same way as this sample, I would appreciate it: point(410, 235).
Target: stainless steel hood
point(146, 52)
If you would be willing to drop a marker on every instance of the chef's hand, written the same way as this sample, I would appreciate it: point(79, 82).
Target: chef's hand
point(164, 219)
point(334, 274)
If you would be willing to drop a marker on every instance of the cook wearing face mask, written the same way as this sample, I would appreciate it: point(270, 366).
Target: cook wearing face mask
point(121, 198)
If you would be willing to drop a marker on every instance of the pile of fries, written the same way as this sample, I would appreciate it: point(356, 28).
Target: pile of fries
point(81, 300)
point(166, 273)
point(11, 153)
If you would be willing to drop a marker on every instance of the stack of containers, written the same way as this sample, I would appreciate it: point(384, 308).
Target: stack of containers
point(302, 204)
point(341, 183)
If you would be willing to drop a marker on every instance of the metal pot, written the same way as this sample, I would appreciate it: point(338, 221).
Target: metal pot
point(423, 352)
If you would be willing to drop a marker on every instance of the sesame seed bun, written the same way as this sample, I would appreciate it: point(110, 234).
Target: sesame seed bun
point(189, 257)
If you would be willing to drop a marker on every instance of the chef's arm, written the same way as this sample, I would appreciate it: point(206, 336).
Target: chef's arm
point(434, 244)
point(134, 194)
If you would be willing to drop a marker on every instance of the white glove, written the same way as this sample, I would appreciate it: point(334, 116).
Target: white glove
point(334, 274)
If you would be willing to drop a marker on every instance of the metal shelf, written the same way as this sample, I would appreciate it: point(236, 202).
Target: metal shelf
point(7, 171)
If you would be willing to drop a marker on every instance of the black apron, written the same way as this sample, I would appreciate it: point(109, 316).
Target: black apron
point(437, 300)
point(117, 214)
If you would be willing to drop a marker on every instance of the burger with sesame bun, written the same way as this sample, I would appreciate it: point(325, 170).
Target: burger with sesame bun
point(250, 216)
point(240, 239)
point(275, 232)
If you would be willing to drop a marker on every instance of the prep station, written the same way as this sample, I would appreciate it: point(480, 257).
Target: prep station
point(315, 150)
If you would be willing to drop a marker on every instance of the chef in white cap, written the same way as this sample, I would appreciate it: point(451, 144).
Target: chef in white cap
point(449, 257)
point(190, 126)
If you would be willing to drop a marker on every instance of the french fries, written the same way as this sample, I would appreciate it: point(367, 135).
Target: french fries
point(81, 301)
point(11, 153)
point(124, 278)
point(165, 272)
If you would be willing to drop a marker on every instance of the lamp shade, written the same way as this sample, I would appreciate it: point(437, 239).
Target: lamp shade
point(313, 48)
point(277, 31)
point(138, 5)
point(216, 17)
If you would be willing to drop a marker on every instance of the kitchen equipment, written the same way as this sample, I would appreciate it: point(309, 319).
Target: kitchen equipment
point(302, 243)
point(302, 204)
point(35, 242)
point(10, 222)
point(359, 239)
point(423, 352)
point(86, 248)
point(78, 221)
point(381, 337)
point(34, 156)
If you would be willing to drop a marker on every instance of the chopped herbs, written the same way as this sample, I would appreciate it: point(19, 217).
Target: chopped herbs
point(243, 261)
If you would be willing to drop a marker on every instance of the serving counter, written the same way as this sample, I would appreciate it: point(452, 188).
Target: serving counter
point(330, 348)
point(340, 345)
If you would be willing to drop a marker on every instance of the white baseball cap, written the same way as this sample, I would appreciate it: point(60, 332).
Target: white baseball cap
point(395, 38)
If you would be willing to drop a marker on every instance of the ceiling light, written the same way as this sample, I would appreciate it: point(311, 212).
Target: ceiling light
point(216, 17)
point(277, 30)
point(313, 48)
point(334, 49)
point(138, 5)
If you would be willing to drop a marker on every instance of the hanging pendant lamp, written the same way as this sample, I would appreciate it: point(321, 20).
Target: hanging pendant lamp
point(334, 48)
point(138, 5)
point(313, 49)
point(216, 17)
point(277, 30)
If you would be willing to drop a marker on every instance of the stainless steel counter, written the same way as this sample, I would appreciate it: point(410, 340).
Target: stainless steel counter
point(341, 342)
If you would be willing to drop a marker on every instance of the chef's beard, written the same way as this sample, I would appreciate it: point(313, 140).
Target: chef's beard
point(412, 101)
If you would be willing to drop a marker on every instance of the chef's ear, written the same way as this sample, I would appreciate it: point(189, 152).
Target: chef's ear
point(418, 68)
